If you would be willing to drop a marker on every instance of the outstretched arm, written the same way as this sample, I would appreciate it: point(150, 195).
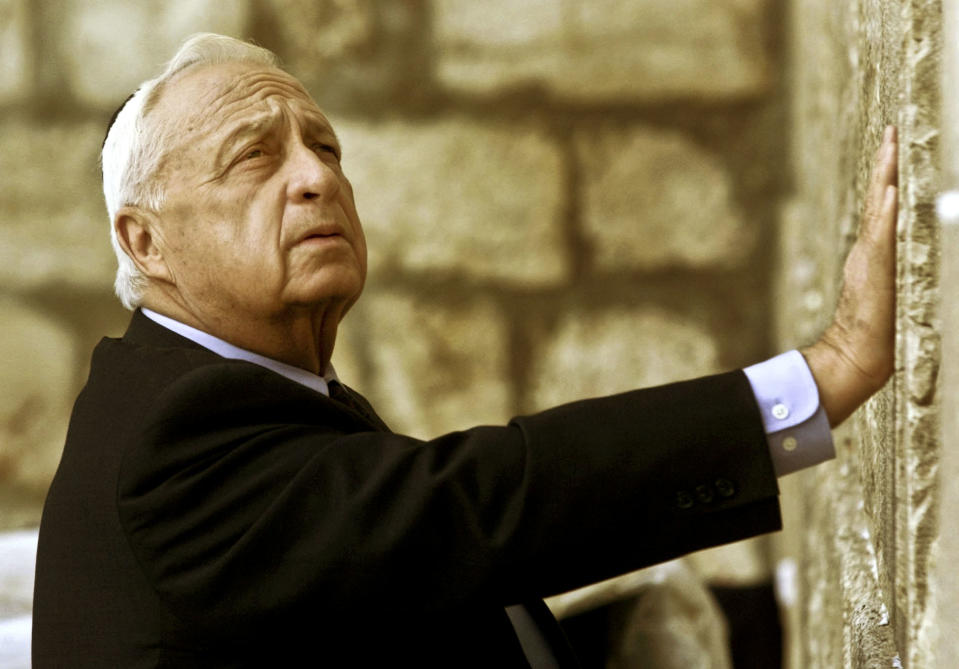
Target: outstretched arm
point(855, 355)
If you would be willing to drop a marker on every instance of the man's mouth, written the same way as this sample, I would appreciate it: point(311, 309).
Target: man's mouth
point(324, 232)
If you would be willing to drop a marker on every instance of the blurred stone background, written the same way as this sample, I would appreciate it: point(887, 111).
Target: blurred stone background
point(562, 199)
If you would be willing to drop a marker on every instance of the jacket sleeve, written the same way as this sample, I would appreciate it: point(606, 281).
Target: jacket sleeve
point(245, 499)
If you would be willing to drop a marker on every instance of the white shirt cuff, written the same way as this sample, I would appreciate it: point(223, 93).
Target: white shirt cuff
point(797, 429)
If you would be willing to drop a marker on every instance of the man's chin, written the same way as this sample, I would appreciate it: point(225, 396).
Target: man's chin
point(340, 291)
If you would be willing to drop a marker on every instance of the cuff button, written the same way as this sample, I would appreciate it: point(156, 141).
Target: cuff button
point(684, 500)
point(725, 488)
point(780, 411)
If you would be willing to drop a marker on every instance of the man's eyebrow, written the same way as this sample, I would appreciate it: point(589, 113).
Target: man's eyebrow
point(247, 128)
point(317, 122)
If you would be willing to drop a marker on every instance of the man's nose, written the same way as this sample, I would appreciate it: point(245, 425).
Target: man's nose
point(311, 178)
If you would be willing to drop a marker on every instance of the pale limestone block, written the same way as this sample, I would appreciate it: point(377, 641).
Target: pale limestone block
point(591, 354)
point(39, 363)
point(14, 70)
point(739, 564)
point(675, 624)
point(435, 367)
point(15, 642)
point(315, 32)
point(18, 554)
point(55, 228)
point(458, 196)
point(605, 48)
point(655, 199)
point(109, 47)
point(944, 579)
point(847, 620)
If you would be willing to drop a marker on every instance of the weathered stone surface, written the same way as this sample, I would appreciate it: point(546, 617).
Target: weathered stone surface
point(435, 366)
point(802, 307)
point(863, 65)
point(39, 366)
point(14, 54)
point(458, 196)
point(850, 624)
point(916, 492)
point(739, 564)
point(604, 49)
point(55, 227)
point(945, 576)
point(674, 624)
point(18, 552)
point(593, 354)
point(314, 32)
point(653, 198)
point(147, 33)
point(15, 642)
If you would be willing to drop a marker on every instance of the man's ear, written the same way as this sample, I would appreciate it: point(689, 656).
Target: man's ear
point(139, 236)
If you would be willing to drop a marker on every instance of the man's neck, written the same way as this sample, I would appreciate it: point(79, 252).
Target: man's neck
point(301, 337)
point(227, 350)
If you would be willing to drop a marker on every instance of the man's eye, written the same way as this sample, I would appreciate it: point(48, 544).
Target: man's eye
point(252, 153)
point(320, 147)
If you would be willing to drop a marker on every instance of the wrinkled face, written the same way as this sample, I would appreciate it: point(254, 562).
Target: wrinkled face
point(258, 218)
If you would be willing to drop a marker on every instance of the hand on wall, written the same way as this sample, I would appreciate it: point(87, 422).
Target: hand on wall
point(855, 355)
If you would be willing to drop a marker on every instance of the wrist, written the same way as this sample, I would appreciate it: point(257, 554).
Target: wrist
point(842, 385)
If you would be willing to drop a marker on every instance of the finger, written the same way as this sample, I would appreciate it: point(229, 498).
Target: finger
point(880, 233)
point(886, 230)
point(893, 140)
point(885, 168)
point(884, 174)
point(890, 156)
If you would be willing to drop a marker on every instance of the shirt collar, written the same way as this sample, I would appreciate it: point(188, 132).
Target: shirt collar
point(228, 350)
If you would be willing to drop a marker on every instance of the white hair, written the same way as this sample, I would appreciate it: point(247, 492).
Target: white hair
point(134, 147)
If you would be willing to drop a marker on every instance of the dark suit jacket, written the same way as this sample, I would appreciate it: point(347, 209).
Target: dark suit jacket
point(211, 513)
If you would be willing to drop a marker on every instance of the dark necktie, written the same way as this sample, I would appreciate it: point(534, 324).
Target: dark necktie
point(340, 393)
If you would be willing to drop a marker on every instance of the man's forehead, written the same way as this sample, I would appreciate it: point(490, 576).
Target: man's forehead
point(209, 96)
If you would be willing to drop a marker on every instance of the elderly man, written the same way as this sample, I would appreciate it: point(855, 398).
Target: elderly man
point(223, 501)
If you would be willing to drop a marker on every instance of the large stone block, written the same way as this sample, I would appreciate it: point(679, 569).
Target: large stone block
point(14, 54)
point(314, 32)
point(39, 367)
point(664, 617)
point(654, 199)
point(55, 227)
point(458, 196)
point(18, 553)
point(640, 49)
point(109, 46)
point(601, 353)
point(435, 366)
point(354, 54)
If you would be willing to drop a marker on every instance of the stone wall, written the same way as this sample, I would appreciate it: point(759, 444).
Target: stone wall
point(944, 578)
point(865, 527)
point(561, 199)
